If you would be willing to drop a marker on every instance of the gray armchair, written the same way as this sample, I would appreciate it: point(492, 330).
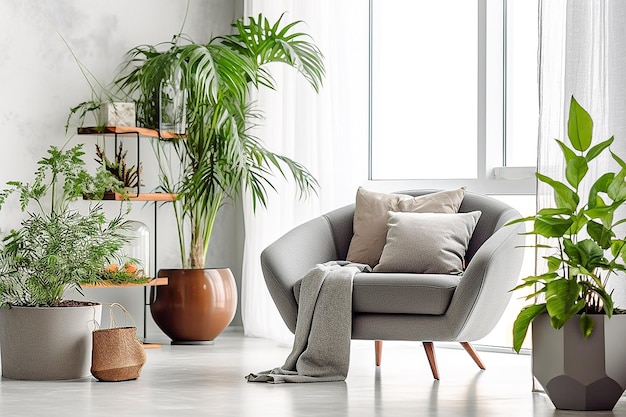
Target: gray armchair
point(403, 306)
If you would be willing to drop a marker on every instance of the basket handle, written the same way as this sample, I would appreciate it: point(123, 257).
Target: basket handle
point(127, 316)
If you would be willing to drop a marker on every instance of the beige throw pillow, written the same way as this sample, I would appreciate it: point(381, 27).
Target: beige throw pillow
point(370, 218)
point(427, 243)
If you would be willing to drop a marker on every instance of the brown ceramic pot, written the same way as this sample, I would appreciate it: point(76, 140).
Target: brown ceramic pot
point(196, 305)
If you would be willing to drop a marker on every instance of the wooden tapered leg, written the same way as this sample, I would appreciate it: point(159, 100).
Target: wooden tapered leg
point(378, 347)
point(432, 361)
point(470, 349)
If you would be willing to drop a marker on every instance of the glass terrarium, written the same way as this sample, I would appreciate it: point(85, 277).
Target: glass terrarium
point(137, 250)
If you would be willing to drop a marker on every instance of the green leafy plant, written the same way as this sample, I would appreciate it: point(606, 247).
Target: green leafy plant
point(219, 157)
point(118, 168)
point(580, 233)
point(57, 248)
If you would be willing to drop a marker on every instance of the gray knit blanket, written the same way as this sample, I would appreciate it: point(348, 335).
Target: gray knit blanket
point(321, 348)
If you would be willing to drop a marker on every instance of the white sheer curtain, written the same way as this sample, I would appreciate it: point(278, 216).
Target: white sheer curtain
point(582, 53)
point(327, 132)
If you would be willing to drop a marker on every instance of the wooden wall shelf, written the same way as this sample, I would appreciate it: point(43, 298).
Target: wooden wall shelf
point(136, 132)
point(140, 197)
point(153, 282)
point(143, 131)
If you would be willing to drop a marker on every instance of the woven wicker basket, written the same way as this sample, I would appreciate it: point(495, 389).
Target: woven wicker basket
point(117, 354)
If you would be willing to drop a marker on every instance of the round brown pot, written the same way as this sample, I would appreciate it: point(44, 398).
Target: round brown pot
point(196, 305)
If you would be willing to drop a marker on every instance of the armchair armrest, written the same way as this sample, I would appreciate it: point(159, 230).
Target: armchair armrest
point(493, 271)
point(286, 260)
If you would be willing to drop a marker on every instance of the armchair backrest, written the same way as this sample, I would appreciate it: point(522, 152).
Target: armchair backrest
point(495, 214)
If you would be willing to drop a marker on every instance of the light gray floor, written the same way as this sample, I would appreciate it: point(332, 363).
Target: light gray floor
point(209, 381)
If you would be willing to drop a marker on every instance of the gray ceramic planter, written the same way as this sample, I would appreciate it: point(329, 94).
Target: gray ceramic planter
point(47, 343)
point(579, 374)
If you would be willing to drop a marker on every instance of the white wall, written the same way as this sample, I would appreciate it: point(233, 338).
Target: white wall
point(39, 82)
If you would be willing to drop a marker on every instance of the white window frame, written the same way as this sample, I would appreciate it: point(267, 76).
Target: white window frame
point(493, 177)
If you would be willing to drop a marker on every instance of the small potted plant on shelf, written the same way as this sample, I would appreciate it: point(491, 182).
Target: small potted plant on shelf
point(129, 177)
point(575, 328)
point(107, 106)
point(56, 249)
point(219, 158)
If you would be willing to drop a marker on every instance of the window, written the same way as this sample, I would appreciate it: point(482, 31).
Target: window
point(454, 102)
point(424, 90)
point(521, 89)
point(453, 94)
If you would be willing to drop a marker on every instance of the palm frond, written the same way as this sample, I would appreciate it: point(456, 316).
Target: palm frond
point(219, 157)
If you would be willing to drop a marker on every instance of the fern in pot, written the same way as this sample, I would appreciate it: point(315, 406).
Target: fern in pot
point(219, 158)
point(55, 250)
point(573, 309)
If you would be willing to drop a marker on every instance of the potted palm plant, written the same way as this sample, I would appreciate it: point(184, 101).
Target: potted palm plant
point(219, 158)
point(56, 249)
point(576, 334)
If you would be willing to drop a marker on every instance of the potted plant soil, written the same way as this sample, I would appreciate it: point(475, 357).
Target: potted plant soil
point(577, 336)
point(44, 336)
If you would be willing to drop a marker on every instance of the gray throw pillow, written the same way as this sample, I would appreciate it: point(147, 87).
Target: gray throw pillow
point(370, 218)
point(427, 243)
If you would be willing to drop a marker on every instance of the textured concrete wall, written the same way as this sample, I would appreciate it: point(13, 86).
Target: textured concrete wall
point(40, 82)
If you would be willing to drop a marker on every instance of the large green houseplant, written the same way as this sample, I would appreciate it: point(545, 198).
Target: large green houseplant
point(583, 250)
point(56, 249)
point(219, 156)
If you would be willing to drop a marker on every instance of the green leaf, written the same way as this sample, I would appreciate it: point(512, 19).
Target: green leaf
point(578, 222)
point(617, 188)
point(600, 234)
point(522, 285)
point(593, 254)
point(551, 226)
point(579, 126)
point(618, 248)
point(564, 196)
point(585, 254)
point(619, 160)
point(602, 212)
point(617, 223)
point(567, 152)
point(543, 278)
point(597, 287)
point(575, 170)
point(561, 296)
point(522, 322)
point(520, 220)
point(554, 263)
point(552, 212)
point(601, 185)
point(598, 149)
point(586, 325)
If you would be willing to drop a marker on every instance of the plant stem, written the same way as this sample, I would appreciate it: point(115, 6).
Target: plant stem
point(181, 234)
point(217, 203)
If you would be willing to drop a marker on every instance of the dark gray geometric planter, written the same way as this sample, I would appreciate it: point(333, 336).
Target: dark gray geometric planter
point(578, 373)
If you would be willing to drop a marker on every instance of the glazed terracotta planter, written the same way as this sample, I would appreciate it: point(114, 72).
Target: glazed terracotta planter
point(47, 343)
point(578, 373)
point(196, 305)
